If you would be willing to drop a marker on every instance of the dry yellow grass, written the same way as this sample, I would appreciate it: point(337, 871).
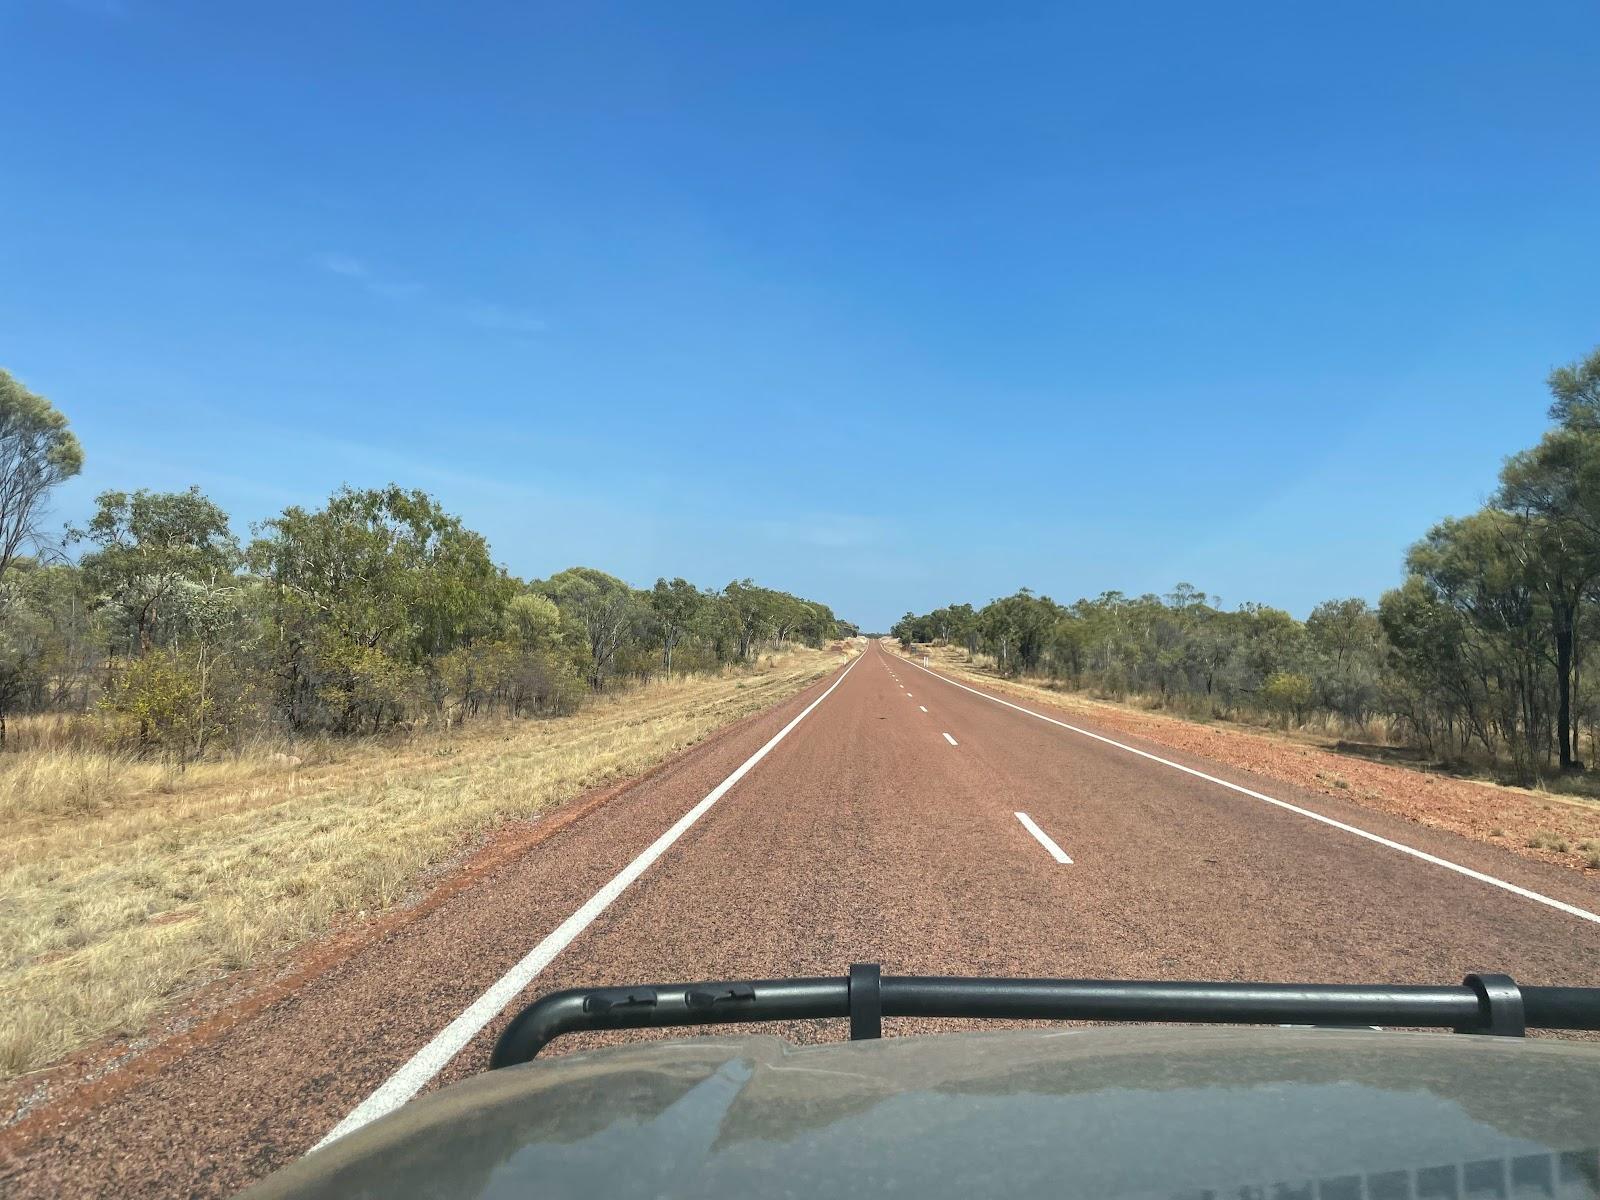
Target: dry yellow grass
point(122, 884)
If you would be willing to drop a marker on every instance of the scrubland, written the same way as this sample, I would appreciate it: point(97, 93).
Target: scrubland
point(125, 883)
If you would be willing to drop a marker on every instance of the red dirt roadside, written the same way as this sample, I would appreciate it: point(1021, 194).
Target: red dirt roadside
point(1507, 817)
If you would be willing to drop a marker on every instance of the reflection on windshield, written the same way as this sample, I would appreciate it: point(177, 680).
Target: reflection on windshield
point(1570, 1175)
point(1215, 1116)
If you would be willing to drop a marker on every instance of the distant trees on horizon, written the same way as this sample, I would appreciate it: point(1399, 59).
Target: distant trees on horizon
point(1480, 652)
point(379, 608)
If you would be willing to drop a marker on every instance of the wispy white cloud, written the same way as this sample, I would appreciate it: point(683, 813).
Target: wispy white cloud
point(498, 316)
point(828, 531)
point(484, 314)
point(341, 264)
point(391, 289)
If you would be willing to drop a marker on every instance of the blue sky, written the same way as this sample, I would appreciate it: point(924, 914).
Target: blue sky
point(885, 304)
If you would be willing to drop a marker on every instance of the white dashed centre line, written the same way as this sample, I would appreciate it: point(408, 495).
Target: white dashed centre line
point(1582, 914)
point(923, 707)
point(1045, 840)
point(951, 740)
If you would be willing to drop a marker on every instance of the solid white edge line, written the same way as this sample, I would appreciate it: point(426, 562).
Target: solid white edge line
point(1045, 840)
point(951, 740)
point(431, 1059)
point(1527, 894)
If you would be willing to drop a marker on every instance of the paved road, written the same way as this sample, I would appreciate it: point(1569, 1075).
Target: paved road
point(880, 826)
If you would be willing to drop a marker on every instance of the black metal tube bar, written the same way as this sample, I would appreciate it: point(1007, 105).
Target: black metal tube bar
point(1562, 1007)
point(1219, 1003)
point(679, 1004)
point(669, 1004)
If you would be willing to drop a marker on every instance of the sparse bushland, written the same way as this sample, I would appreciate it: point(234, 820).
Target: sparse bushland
point(127, 882)
point(1474, 662)
point(379, 610)
point(212, 750)
point(375, 612)
point(1182, 655)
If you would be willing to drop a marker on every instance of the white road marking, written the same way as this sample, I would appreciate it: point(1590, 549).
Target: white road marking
point(1570, 909)
point(1045, 840)
point(908, 695)
point(951, 740)
point(431, 1059)
point(923, 707)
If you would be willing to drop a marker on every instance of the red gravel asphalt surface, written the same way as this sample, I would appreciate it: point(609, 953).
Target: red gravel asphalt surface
point(864, 835)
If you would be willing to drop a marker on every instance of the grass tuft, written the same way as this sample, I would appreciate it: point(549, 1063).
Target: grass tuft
point(1548, 841)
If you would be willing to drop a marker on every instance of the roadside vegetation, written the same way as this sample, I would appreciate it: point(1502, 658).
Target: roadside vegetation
point(170, 638)
point(1479, 661)
point(1535, 823)
point(214, 747)
point(127, 883)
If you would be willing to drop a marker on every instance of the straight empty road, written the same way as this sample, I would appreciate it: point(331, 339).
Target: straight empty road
point(889, 815)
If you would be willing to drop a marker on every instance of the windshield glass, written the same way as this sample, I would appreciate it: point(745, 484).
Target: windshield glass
point(505, 499)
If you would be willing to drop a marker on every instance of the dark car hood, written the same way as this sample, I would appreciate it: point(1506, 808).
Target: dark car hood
point(1130, 1112)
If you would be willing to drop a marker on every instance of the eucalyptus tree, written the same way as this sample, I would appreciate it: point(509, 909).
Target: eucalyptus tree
point(1576, 391)
point(364, 592)
point(1345, 642)
point(676, 605)
point(1554, 489)
point(750, 611)
point(147, 545)
point(37, 453)
point(604, 610)
point(1478, 567)
point(1559, 550)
